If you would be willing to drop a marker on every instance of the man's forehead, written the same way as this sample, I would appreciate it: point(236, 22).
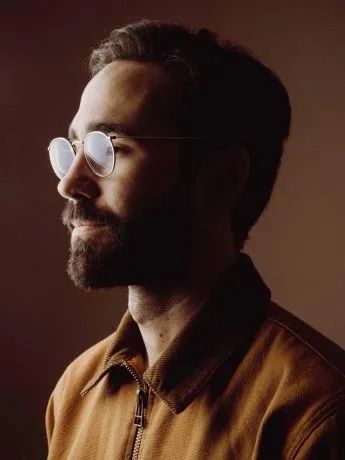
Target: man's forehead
point(127, 92)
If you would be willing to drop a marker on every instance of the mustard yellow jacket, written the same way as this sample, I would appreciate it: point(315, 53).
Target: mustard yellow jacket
point(243, 380)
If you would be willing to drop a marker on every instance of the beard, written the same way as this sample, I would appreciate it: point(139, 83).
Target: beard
point(148, 249)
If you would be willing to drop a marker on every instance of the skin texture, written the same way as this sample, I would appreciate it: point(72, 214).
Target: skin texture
point(185, 247)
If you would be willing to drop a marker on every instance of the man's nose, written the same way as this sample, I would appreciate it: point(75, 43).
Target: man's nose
point(80, 181)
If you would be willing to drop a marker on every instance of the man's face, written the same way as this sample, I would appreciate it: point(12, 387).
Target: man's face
point(131, 227)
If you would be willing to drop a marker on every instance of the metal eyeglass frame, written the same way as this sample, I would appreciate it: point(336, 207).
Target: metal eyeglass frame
point(115, 136)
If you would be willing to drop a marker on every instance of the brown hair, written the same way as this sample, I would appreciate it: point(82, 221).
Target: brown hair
point(228, 94)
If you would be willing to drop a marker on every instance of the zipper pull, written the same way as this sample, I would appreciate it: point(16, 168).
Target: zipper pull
point(139, 417)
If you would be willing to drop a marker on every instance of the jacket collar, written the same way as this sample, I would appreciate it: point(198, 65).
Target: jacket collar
point(209, 339)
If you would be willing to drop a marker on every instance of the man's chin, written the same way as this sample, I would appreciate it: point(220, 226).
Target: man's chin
point(91, 281)
point(92, 268)
point(88, 278)
point(114, 270)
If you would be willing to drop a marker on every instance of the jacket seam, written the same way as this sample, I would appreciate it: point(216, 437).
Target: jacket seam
point(317, 352)
point(327, 411)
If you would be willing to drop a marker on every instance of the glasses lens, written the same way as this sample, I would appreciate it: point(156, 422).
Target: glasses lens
point(99, 152)
point(61, 156)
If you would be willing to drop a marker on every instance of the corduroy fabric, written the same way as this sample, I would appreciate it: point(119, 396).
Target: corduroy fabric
point(243, 380)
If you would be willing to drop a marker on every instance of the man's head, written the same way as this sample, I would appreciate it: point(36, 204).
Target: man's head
point(154, 79)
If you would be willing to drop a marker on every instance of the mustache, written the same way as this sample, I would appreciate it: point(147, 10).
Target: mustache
point(85, 210)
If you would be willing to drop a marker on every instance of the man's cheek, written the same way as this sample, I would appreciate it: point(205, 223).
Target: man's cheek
point(123, 197)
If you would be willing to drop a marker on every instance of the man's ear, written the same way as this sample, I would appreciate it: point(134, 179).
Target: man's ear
point(225, 175)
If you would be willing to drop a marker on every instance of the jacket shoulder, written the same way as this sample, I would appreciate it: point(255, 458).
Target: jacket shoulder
point(300, 339)
point(83, 368)
point(302, 380)
point(66, 391)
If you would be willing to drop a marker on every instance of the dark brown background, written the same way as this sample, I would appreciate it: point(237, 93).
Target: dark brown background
point(298, 245)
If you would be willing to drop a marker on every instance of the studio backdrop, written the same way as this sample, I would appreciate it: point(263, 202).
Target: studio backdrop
point(298, 244)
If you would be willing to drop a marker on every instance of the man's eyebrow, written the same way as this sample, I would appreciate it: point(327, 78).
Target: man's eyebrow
point(116, 128)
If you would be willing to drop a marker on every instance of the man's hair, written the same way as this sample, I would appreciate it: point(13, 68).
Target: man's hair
point(227, 95)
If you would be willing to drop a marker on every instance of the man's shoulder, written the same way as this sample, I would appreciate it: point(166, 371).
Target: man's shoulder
point(305, 358)
point(300, 375)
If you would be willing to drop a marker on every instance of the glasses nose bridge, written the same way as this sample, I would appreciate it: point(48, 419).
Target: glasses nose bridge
point(78, 148)
point(75, 144)
point(79, 156)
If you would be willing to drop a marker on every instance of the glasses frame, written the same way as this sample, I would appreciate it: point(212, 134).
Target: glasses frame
point(116, 136)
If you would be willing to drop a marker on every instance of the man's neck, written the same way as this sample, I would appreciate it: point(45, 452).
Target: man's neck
point(161, 318)
point(162, 312)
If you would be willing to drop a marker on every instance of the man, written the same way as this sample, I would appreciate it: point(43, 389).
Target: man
point(171, 159)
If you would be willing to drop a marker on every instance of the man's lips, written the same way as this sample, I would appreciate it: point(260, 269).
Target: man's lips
point(80, 223)
point(86, 227)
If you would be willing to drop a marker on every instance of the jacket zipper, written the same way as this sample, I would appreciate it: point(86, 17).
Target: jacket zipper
point(140, 411)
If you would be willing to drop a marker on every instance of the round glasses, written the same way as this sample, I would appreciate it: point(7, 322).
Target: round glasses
point(98, 150)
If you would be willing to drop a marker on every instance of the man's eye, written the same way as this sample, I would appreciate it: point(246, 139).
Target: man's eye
point(123, 149)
